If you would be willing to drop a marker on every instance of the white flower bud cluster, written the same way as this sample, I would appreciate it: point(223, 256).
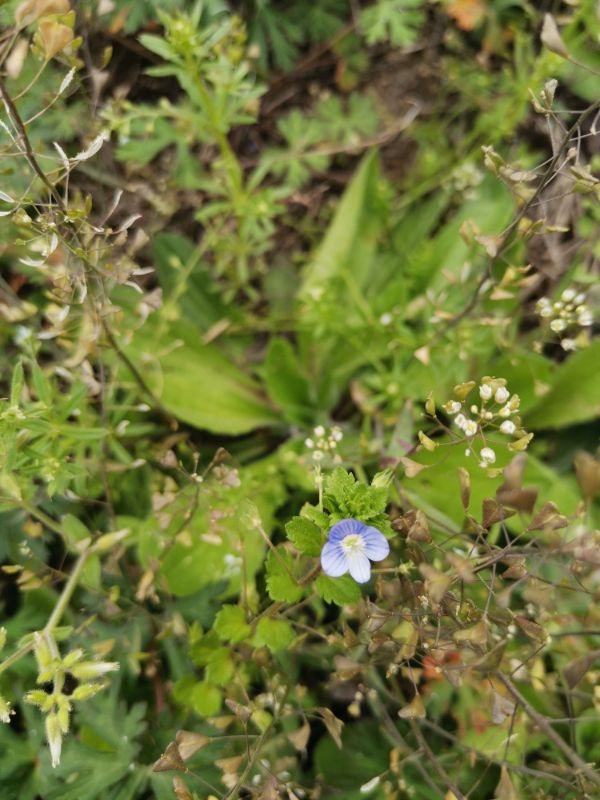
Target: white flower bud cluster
point(565, 315)
point(498, 410)
point(324, 442)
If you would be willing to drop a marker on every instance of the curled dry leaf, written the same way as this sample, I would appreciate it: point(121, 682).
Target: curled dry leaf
point(181, 790)
point(333, 724)
point(54, 37)
point(414, 710)
point(436, 583)
point(477, 635)
point(587, 469)
point(189, 743)
point(170, 760)
point(531, 629)
point(551, 37)
point(299, 738)
point(548, 518)
point(465, 487)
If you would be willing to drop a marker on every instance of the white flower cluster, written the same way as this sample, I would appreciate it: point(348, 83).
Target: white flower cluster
point(498, 410)
point(565, 315)
point(324, 443)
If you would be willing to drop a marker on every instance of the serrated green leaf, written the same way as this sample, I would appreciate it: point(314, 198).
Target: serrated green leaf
point(274, 634)
point(305, 536)
point(338, 590)
point(280, 581)
point(231, 624)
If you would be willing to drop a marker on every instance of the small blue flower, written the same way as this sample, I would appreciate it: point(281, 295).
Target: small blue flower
point(349, 547)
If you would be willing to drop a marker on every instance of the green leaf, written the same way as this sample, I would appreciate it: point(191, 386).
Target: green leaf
point(231, 624)
point(206, 699)
point(364, 754)
point(348, 239)
point(16, 384)
point(338, 590)
point(186, 280)
point(92, 572)
point(74, 529)
point(305, 536)
point(196, 382)
point(274, 634)
point(574, 394)
point(286, 383)
point(220, 667)
point(280, 581)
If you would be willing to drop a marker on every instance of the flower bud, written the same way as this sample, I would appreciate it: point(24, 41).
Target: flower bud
point(485, 391)
point(54, 736)
point(5, 711)
point(502, 395)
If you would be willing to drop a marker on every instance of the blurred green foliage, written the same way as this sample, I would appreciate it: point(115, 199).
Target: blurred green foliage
point(258, 260)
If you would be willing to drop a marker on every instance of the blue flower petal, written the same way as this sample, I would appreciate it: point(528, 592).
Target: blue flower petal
point(333, 560)
point(359, 566)
point(376, 545)
point(344, 528)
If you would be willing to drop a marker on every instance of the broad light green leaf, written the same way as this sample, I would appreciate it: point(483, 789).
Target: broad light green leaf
point(185, 280)
point(436, 490)
point(348, 239)
point(574, 394)
point(288, 387)
point(196, 382)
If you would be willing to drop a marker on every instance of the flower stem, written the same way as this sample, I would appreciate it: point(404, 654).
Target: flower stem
point(58, 611)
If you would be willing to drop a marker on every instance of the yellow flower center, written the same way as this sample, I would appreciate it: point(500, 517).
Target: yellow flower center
point(352, 543)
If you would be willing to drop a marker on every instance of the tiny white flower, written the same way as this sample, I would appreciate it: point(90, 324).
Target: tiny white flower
point(317, 455)
point(568, 295)
point(568, 344)
point(505, 411)
point(468, 452)
point(502, 395)
point(546, 311)
point(461, 421)
point(558, 325)
point(54, 737)
point(453, 407)
point(585, 318)
point(337, 434)
point(370, 785)
point(485, 391)
point(487, 456)
point(309, 443)
point(474, 409)
point(386, 319)
point(508, 427)
point(470, 428)
point(579, 299)
point(319, 431)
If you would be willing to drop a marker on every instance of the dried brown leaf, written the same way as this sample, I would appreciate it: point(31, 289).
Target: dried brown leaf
point(170, 760)
point(465, 487)
point(414, 710)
